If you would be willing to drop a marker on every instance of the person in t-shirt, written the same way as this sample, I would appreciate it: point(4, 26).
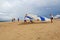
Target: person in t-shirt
point(51, 17)
point(18, 19)
point(31, 21)
point(25, 18)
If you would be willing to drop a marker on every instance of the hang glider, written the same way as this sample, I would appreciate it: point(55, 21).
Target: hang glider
point(36, 17)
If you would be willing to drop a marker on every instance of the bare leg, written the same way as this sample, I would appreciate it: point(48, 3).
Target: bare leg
point(51, 20)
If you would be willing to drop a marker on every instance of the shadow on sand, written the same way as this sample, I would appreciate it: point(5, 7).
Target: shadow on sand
point(33, 23)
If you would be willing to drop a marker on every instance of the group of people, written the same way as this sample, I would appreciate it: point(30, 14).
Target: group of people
point(25, 21)
point(51, 18)
point(13, 20)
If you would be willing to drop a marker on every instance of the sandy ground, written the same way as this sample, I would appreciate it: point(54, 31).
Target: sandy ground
point(34, 31)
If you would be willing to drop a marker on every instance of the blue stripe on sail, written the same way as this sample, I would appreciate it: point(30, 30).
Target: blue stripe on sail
point(28, 17)
point(42, 18)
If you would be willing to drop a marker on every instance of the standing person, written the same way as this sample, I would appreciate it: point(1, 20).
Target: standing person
point(12, 20)
point(18, 19)
point(25, 19)
point(51, 17)
point(31, 20)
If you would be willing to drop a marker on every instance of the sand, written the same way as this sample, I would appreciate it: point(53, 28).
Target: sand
point(34, 31)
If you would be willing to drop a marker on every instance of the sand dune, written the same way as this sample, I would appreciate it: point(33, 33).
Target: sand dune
point(34, 31)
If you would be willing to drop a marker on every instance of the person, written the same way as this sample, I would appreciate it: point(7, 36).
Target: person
point(12, 20)
point(18, 19)
point(25, 21)
point(51, 17)
point(31, 21)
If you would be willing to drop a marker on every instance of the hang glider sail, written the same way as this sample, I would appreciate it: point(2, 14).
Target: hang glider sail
point(35, 17)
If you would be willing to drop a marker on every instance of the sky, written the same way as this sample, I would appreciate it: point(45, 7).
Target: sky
point(18, 8)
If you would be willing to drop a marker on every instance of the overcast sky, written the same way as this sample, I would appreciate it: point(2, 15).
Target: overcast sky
point(18, 8)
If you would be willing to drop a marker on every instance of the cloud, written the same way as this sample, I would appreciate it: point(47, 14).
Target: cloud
point(17, 8)
point(6, 5)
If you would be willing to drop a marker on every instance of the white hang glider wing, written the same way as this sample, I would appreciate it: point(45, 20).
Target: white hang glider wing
point(35, 17)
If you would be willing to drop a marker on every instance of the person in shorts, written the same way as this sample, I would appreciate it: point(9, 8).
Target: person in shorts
point(51, 17)
point(18, 19)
